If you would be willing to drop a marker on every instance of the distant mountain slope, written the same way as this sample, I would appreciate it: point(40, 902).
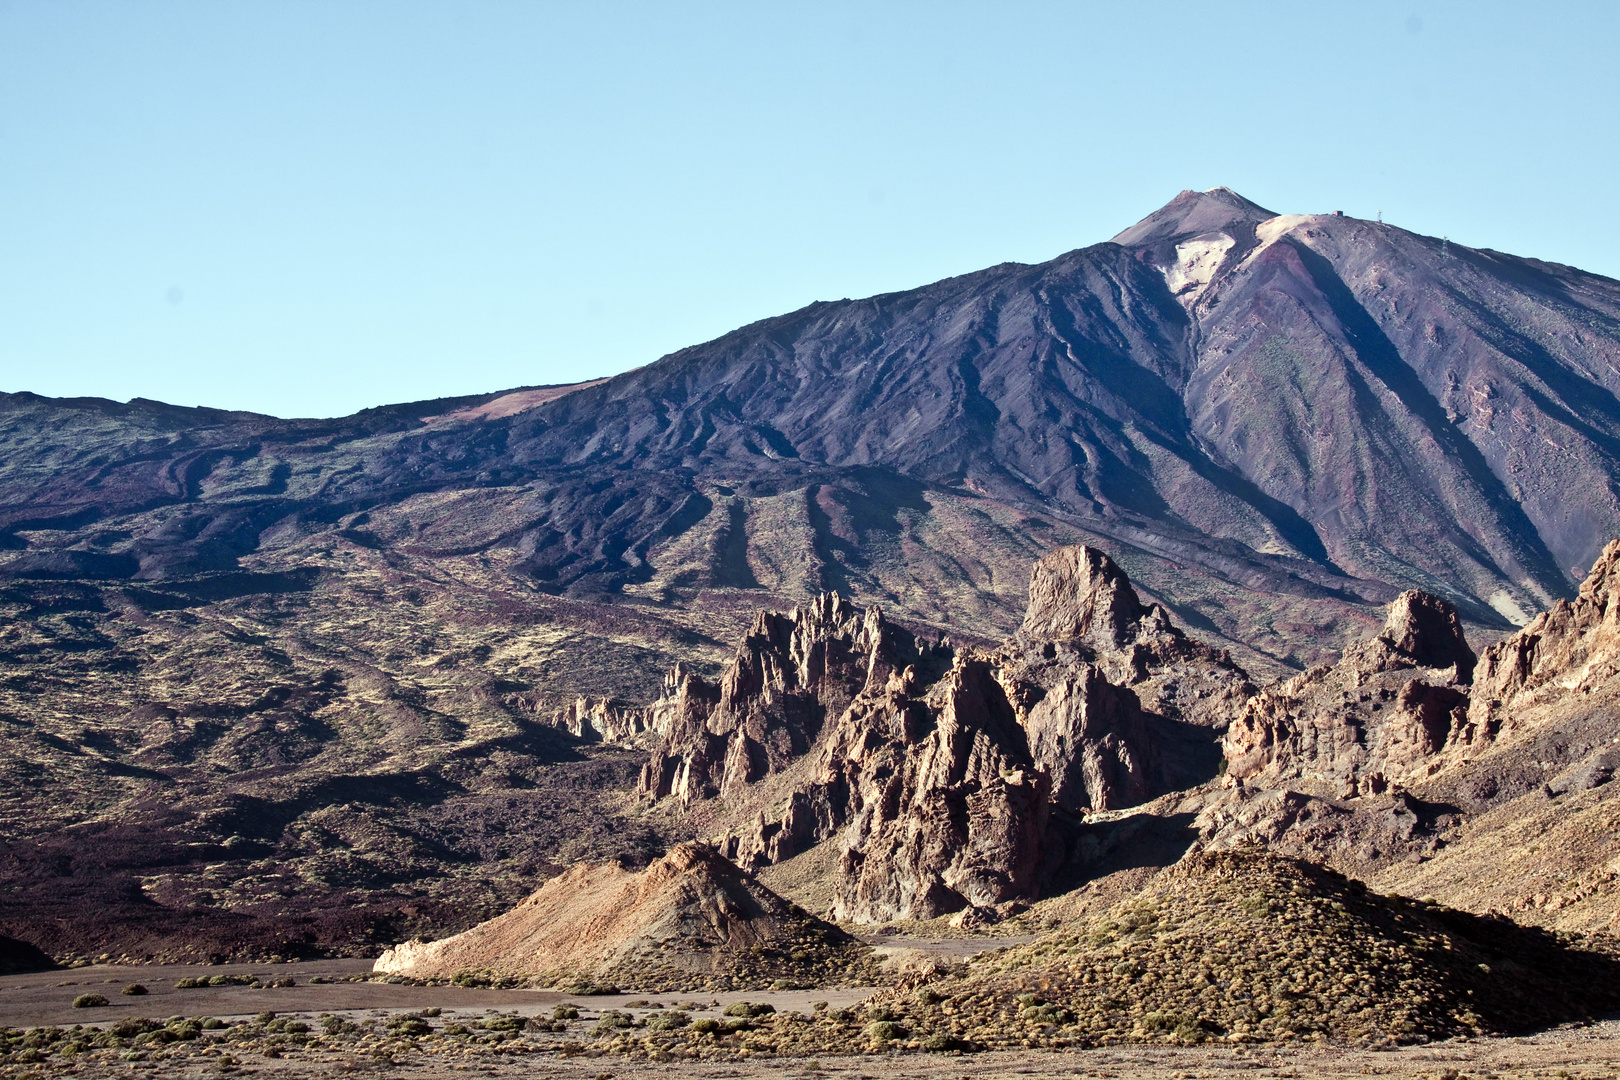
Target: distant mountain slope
point(1314, 394)
point(1309, 404)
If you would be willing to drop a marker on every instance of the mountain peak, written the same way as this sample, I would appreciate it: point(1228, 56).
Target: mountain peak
point(1192, 213)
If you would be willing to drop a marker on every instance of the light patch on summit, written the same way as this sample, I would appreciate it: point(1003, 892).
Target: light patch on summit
point(1271, 230)
point(1196, 262)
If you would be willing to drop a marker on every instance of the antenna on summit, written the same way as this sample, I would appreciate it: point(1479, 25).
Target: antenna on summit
point(1380, 217)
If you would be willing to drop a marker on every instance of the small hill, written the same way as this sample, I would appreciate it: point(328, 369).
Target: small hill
point(1244, 946)
point(691, 919)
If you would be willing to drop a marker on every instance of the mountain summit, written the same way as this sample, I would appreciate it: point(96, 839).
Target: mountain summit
point(1192, 213)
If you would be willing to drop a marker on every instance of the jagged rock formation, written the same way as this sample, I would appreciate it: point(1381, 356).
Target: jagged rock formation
point(691, 918)
point(1567, 650)
point(1381, 715)
point(601, 721)
point(941, 774)
point(791, 673)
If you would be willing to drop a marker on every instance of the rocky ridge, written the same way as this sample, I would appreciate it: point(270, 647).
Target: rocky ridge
point(1383, 714)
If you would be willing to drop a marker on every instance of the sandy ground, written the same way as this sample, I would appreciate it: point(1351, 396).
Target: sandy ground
point(1583, 1052)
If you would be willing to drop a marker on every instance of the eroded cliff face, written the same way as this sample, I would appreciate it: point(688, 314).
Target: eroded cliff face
point(1382, 714)
point(944, 775)
point(1573, 648)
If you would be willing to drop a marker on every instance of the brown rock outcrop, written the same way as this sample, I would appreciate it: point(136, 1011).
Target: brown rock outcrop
point(1083, 610)
point(940, 777)
point(1079, 594)
point(1381, 715)
point(602, 721)
point(690, 916)
point(940, 817)
point(1572, 647)
point(770, 704)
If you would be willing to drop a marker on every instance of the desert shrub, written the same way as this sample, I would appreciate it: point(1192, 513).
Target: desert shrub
point(135, 990)
point(214, 980)
point(502, 1023)
point(939, 1043)
point(613, 1019)
point(1046, 1013)
point(336, 1025)
point(565, 1012)
point(884, 1031)
point(89, 1001)
point(131, 1026)
point(706, 1026)
point(410, 1026)
point(669, 1021)
point(1159, 1022)
point(1256, 904)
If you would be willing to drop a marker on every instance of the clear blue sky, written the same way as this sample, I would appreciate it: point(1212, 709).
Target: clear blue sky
point(306, 208)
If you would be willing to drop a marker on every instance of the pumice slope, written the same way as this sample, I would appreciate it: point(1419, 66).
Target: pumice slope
point(690, 920)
